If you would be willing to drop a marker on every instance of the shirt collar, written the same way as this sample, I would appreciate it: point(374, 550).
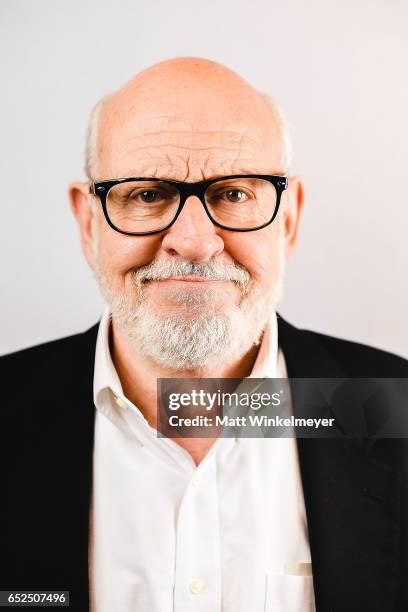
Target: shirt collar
point(265, 365)
point(105, 376)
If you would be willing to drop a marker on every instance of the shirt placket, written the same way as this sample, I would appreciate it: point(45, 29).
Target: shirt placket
point(197, 584)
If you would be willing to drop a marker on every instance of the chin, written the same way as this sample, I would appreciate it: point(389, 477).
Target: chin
point(192, 311)
point(190, 304)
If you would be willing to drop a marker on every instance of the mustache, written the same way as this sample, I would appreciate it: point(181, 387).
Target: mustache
point(213, 269)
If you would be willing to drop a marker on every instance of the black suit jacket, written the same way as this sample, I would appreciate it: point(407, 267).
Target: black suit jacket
point(356, 494)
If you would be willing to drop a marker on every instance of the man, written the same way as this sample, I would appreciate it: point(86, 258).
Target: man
point(190, 259)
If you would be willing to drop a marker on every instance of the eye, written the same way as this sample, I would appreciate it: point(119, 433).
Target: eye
point(235, 195)
point(148, 196)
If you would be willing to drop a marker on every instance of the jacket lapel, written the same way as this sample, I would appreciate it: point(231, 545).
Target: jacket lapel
point(352, 499)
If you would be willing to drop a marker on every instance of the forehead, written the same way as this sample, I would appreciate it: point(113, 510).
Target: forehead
point(190, 138)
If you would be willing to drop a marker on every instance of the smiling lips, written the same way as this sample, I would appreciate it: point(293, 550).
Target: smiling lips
point(191, 279)
point(188, 279)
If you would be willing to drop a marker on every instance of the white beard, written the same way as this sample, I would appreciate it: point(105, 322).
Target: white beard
point(199, 336)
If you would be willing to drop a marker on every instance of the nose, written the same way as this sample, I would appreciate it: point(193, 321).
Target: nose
point(193, 236)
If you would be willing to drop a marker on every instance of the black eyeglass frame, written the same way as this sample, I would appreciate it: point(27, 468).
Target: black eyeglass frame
point(198, 189)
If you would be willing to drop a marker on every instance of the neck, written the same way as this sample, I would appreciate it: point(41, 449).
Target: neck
point(138, 374)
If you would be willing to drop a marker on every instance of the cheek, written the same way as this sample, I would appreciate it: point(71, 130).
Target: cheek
point(119, 254)
point(258, 252)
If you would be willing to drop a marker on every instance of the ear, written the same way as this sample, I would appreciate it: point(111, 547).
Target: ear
point(292, 208)
point(81, 205)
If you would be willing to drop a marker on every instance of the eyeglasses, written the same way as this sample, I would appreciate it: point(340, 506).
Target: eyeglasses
point(239, 203)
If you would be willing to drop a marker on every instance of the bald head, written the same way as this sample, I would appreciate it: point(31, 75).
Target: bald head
point(186, 119)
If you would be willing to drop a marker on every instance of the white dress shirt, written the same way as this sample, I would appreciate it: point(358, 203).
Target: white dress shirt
point(228, 535)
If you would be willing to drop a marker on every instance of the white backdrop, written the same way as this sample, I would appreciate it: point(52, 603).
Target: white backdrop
point(338, 69)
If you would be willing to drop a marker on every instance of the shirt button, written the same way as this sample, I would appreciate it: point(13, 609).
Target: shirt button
point(122, 404)
point(194, 483)
point(196, 587)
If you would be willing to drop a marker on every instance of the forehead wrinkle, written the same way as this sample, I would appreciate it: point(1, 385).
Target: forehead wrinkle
point(218, 133)
point(188, 148)
point(177, 143)
point(180, 161)
point(238, 166)
point(168, 166)
point(180, 153)
point(167, 154)
point(181, 168)
point(195, 140)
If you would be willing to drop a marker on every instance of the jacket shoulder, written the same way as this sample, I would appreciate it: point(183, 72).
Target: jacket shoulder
point(313, 354)
point(34, 357)
point(362, 359)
